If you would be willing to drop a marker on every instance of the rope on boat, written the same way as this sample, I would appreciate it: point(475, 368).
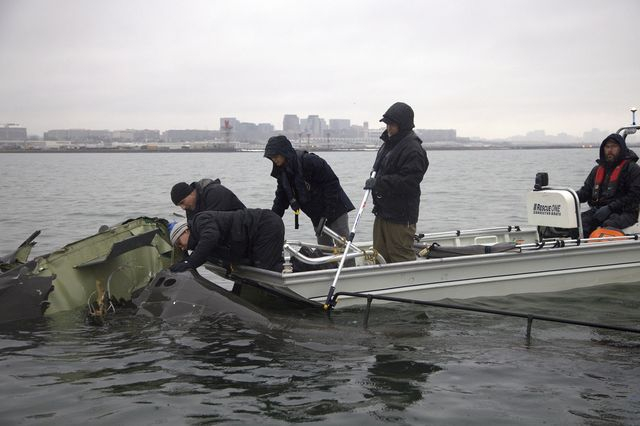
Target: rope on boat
point(528, 317)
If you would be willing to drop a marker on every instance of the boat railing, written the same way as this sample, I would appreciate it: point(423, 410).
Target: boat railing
point(336, 257)
point(558, 243)
point(464, 232)
point(292, 248)
point(529, 317)
point(628, 130)
point(337, 238)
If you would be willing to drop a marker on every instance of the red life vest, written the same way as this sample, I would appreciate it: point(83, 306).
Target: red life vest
point(611, 185)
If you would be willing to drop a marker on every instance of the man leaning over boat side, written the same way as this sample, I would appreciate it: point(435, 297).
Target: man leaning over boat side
point(244, 237)
point(612, 188)
point(306, 182)
point(400, 166)
point(206, 194)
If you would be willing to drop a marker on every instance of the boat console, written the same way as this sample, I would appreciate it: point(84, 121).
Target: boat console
point(557, 208)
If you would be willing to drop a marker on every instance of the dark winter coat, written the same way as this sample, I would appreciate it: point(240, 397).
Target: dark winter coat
point(307, 182)
point(213, 196)
point(400, 166)
point(224, 235)
point(626, 196)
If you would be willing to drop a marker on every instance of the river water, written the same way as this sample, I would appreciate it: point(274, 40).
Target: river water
point(411, 366)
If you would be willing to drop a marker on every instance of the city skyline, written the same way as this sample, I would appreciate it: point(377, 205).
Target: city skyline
point(590, 135)
point(489, 69)
point(527, 134)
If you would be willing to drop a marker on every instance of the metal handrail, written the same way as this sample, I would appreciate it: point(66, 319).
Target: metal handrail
point(558, 243)
point(463, 232)
point(528, 317)
point(333, 257)
point(629, 130)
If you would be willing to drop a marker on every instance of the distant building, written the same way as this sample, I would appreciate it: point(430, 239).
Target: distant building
point(436, 135)
point(536, 135)
point(339, 124)
point(228, 123)
point(189, 135)
point(131, 135)
point(77, 135)
point(290, 123)
point(266, 128)
point(314, 125)
point(594, 136)
point(11, 133)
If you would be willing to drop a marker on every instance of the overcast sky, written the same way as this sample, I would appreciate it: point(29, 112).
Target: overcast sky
point(488, 68)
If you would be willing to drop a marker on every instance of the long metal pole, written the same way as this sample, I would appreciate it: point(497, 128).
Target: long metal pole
point(330, 302)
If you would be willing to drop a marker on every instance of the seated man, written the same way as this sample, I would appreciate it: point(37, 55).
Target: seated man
point(206, 194)
point(250, 236)
point(612, 189)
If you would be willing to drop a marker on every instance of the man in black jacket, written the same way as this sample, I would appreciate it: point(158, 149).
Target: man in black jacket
point(206, 194)
point(400, 166)
point(246, 237)
point(306, 182)
point(612, 189)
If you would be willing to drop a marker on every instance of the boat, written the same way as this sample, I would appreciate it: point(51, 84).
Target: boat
point(548, 254)
point(97, 272)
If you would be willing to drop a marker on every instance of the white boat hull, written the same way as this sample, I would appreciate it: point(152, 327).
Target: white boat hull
point(462, 277)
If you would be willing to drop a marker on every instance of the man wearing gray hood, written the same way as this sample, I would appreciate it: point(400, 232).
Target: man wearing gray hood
point(400, 166)
point(612, 189)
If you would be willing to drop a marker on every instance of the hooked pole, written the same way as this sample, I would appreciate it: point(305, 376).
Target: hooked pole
point(329, 303)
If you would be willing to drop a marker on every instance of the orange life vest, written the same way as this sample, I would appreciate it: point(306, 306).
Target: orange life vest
point(611, 185)
point(606, 232)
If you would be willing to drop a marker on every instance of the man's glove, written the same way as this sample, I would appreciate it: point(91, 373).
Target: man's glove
point(370, 183)
point(180, 266)
point(602, 214)
point(318, 229)
point(294, 205)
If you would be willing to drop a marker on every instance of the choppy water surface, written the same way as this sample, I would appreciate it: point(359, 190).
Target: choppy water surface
point(411, 366)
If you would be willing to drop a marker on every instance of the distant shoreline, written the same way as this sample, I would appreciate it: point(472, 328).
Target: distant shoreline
point(313, 149)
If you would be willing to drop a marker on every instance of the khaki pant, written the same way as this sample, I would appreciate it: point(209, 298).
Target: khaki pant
point(394, 241)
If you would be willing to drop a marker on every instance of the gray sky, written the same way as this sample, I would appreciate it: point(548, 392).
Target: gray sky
point(488, 68)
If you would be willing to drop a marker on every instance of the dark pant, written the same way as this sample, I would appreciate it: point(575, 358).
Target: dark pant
point(615, 220)
point(340, 226)
point(394, 241)
point(266, 249)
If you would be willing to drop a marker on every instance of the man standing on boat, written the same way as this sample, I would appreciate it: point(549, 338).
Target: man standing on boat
point(306, 182)
point(400, 166)
point(204, 195)
point(247, 237)
point(612, 189)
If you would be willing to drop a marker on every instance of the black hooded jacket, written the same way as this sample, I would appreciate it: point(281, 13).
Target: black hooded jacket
point(308, 180)
point(625, 196)
point(224, 235)
point(212, 196)
point(400, 166)
point(401, 114)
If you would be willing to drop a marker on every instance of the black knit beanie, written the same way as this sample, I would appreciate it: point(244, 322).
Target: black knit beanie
point(179, 191)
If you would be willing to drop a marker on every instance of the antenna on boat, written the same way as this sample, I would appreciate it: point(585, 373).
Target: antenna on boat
point(633, 115)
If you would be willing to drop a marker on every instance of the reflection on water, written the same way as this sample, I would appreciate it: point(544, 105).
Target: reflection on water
point(412, 365)
point(398, 383)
